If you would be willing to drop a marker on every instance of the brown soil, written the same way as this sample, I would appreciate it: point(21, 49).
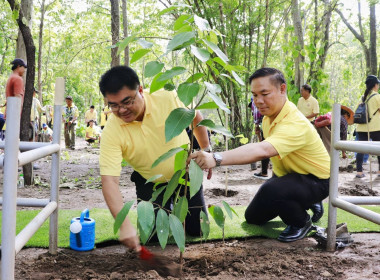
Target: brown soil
point(235, 259)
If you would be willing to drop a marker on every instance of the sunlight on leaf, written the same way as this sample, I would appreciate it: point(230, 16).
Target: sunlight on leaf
point(177, 121)
point(166, 156)
point(162, 227)
point(138, 54)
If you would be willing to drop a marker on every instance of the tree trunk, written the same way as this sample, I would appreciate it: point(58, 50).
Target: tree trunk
point(115, 27)
point(39, 63)
point(30, 76)
point(125, 31)
point(372, 39)
point(299, 70)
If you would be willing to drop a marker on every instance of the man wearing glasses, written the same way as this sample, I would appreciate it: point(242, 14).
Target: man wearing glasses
point(136, 132)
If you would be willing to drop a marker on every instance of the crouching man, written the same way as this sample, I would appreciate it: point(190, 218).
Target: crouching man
point(301, 164)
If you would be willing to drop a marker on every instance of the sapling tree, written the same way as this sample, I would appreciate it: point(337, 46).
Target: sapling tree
point(196, 40)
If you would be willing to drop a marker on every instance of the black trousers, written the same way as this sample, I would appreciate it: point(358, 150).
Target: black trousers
point(196, 203)
point(289, 197)
point(363, 136)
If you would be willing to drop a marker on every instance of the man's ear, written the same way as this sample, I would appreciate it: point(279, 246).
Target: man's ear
point(283, 88)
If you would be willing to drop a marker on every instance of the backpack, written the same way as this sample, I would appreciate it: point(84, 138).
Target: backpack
point(361, 113)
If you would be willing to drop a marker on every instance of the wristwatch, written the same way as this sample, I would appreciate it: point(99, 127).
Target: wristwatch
point(208, 149)
point(218, 158)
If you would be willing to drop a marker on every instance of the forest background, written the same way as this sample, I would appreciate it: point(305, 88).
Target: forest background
point(328, 44)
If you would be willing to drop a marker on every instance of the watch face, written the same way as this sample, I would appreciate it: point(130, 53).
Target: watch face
point(218, 159)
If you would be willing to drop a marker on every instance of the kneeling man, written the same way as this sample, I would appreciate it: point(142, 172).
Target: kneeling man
point(301, 164)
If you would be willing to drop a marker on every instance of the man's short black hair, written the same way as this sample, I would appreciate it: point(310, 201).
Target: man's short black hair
point(92, 107)
point(307, 87)
point(116, 78)
point(277, 77)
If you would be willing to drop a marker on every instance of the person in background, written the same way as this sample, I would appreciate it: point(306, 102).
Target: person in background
point(301, 164)
point(372, 128)
point(106, 112)
point(15, 84)
point(91, 135)
point(90, 114)
point(46, 133)
point(257, 117)
point(70, 115)
point(307, 104)
point(34, 115)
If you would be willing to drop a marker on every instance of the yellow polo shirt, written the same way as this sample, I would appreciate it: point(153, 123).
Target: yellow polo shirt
point(90, 132)
point(91, 116)
point(298, 144)
point(374, 123)
point(141, 143)
point(308, 106)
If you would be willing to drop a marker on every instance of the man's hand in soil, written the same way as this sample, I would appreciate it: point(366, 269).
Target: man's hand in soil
point(128, 236)
point(203, 159)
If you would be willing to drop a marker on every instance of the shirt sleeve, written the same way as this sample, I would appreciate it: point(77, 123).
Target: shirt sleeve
point(316, 107)
point(110, 154)
point(285, 139)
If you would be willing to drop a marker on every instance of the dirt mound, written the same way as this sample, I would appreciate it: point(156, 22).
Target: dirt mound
point(359, 190)
point(220, 192)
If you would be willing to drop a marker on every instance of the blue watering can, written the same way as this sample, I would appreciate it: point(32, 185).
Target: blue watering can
point(82, 232)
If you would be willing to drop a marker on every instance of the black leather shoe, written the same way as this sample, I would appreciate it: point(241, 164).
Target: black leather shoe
point(292, 233)
point(317, 209)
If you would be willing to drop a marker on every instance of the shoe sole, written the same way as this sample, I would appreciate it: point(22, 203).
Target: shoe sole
point(301, 237)
point(261, 177)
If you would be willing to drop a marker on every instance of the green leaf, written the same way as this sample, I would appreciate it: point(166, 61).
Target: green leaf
point(177, 231)
point(180, 39)
point(218, 128)
point(181, 208)
point(208, 105)
point(167, 10)
point(237, 78)
point(156, 85)
point(216, 49)
point(120, 217)
point(218, 215)
point(156, 193)
point(177, 121)
point(201, 23)
point(153, 68)
point(182, 20)
point(166, 155)
point(202, 54)
point(138, 54)
point(205, 225)
point(145, 44)
point(162, 227)
point(213, 88)
point(169, 87)
point(175, 71)
point(187, 91)
point(172, 185)
point(153, 178)
point(145, 214)
point(195, 77)
point(180, 158)
point(196, 178)
point(229, 209)
point(124, 43)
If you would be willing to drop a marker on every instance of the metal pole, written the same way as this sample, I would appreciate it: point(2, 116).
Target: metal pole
point(359, 147)
point(8, 229)
point(33, 226)
point(357, 210)
point(334, 174)
point(26, 146)
point(32, 155)
point(362, 200)
point(55, 168)
point(31, 202)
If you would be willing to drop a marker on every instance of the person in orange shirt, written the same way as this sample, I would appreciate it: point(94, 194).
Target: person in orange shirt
point(15, 84)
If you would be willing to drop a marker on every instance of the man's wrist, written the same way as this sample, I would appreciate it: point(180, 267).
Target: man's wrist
point(208, 149)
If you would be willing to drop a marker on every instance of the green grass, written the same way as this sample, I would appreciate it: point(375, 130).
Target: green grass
point(235, 228)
